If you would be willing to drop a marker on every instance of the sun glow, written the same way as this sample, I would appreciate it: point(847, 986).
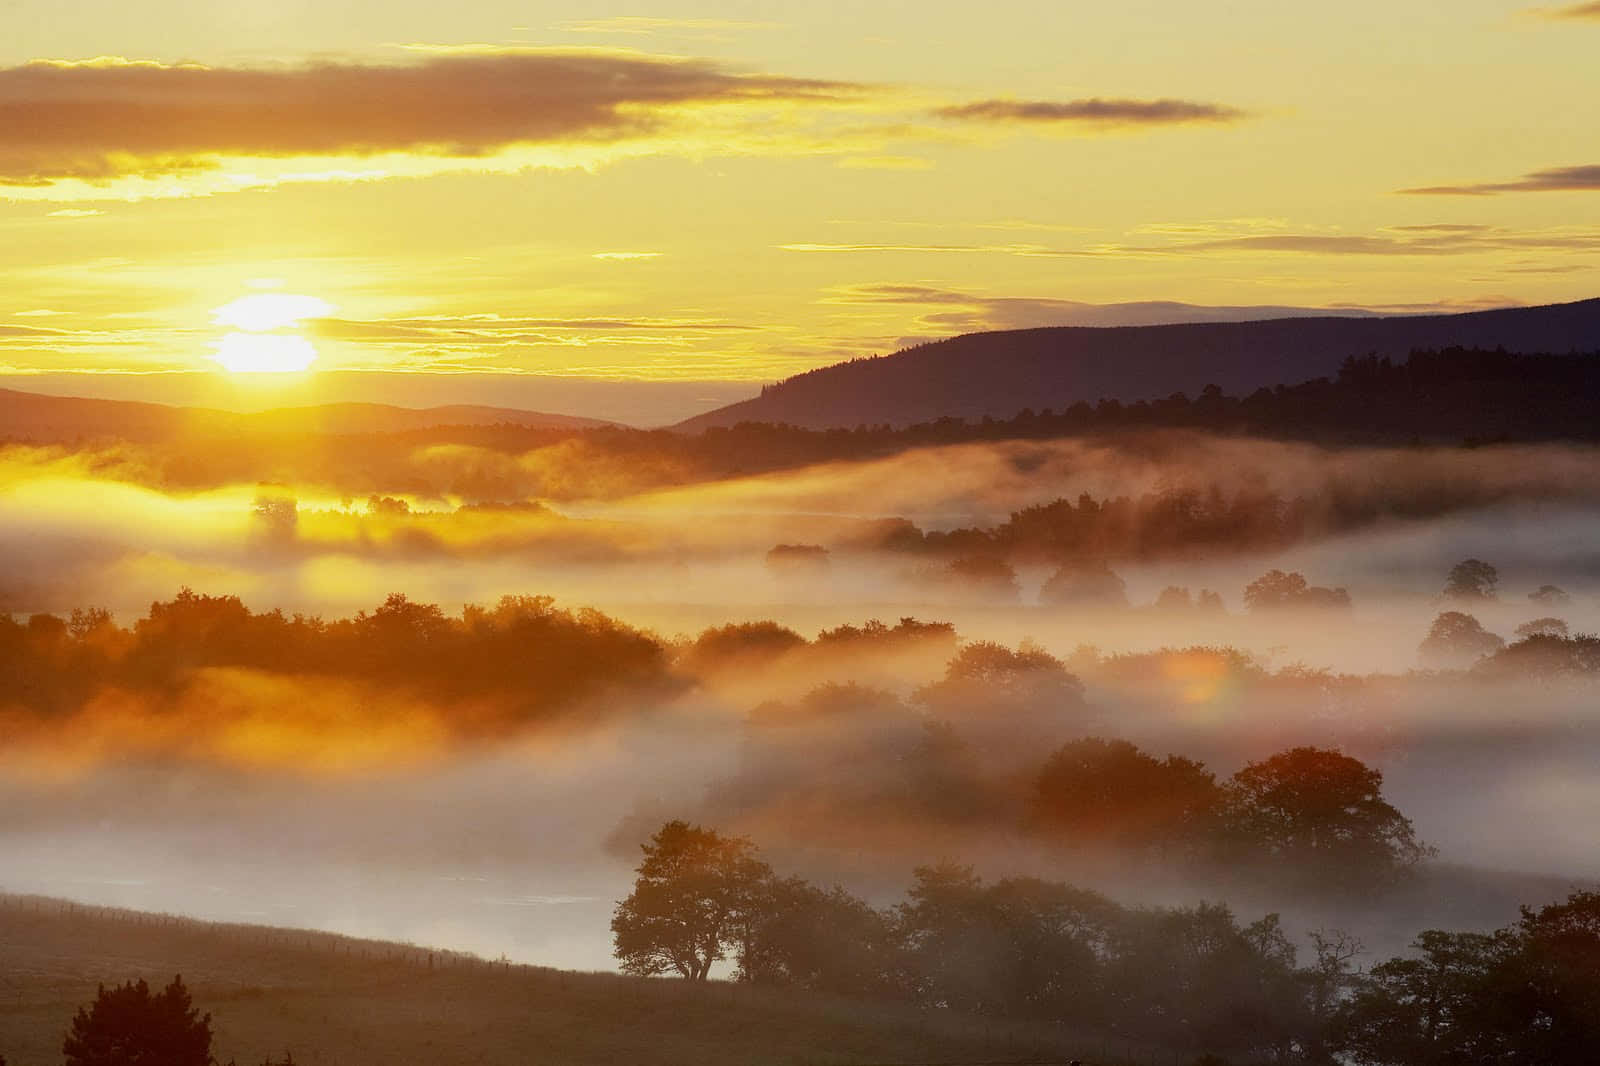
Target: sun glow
point(270, 310)
point(262, 342)
point(264, 353)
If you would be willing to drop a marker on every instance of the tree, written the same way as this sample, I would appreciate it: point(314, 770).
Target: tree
point(1278, 589)
point(1109, 793)
point(981, 577)
point(1457, 639)
point(1550, 596)
point(1526, 994)
point(991, 676)
point(1543, 627)
point(822, 940)
point(127, 1026)
point(1471, 579)
point(1085, 586)
point(1175, 598)
point(1436, 1007)
point(691, 904)
point(277, 518)
point(1320, 814)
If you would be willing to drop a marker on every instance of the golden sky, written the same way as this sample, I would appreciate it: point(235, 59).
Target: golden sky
point(738, 191)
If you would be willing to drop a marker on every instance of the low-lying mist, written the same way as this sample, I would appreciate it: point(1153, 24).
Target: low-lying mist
point(480, 777)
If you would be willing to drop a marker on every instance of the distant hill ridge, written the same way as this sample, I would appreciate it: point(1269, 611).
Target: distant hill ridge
point(36, 417)
point(998, 374)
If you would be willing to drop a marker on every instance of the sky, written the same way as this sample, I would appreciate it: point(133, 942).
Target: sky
point(492, 200)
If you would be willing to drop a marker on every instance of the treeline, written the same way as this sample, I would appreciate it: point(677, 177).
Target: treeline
point(516, 662)
point(1451, 396)
point(532, 656)
point(1088, 532)
point(865, 763)
point(1191, 978)
point(1466, 395)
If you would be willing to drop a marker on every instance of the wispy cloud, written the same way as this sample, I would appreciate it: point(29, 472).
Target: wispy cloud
point(952, 311)
point(1240, 236)
point(1557, 179)
point(99, 120)
point(625, 257)
point(1094, 112)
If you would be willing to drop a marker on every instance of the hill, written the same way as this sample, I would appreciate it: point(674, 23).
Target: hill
point(330, 999)
point(998, 374)
point(48, 419)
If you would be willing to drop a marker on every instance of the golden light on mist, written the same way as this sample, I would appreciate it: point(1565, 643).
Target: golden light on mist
point(259, 343)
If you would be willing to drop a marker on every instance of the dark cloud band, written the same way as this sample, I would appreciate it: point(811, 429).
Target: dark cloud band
point(104, 119)
point(1557, 179)
point(1094, 111)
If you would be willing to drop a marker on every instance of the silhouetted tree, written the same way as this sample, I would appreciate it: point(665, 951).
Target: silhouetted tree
point(1543, 627)
point(691, 903)
point(277, 518)
point(1109, 793)
point(1320, 816)
point(1457, 639)
point(1084, 586)
point(741, 644)
point(982, 577)
point(1436, 1007)
point(1545, 657)
point(1550, 596)
point(1278, 589)
point(990, 676)
point(1471, 579)
point(1175, 598)
point(822, 940)
point(127, 1026)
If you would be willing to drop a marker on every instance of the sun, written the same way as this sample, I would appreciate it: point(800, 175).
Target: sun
point(263, 340)
point(264, 353)
point(270, 310)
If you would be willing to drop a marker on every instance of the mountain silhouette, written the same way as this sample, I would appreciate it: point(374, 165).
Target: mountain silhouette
point(36, 417)
point(1000, 373)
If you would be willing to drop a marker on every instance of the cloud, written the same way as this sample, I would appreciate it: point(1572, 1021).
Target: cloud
point(1443, 239)
point(101, 119)
point(627, 256)
point(1574, 11)
point(963, 312)
point(1557, 179)
point(1095, 111)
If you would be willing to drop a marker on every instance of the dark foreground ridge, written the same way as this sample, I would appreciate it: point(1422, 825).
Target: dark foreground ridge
point(998, 374)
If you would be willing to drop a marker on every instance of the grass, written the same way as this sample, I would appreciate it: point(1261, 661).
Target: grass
point(341, 1001)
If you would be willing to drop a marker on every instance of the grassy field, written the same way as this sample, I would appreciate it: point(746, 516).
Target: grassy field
point(339, 1001)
